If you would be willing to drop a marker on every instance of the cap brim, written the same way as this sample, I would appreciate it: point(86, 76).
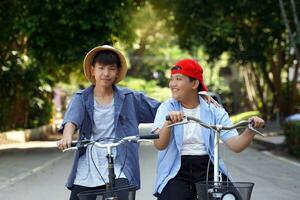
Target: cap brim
point(87, 63)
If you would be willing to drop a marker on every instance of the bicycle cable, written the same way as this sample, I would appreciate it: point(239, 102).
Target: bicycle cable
point(123, 165)
point(207, 169)
point(92, 158)
point(121, 170)
point(91, 154)
point(208, 166)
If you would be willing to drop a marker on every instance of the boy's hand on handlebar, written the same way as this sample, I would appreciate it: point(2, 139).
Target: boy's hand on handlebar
point(66, 140)
point(257, 122)
point(174, 117)
point(64, 143)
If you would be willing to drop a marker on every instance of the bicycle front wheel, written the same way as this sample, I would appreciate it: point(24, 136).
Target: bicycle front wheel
point(119, 193)
point(224, 190)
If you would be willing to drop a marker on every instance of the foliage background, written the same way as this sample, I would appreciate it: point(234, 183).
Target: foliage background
point(247, 48)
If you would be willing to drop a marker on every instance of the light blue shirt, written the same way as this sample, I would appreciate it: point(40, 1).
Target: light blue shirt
point(169, 159)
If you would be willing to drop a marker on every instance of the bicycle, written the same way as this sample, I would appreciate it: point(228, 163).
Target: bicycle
point(111, 192)
point(218, 189)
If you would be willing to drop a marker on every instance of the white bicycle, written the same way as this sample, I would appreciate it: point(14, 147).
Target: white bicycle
point(112, 191)
point(219, 189)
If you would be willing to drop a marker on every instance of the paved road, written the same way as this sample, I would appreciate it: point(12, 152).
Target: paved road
point(274, 178)
point(40, 173)
point(32, 174)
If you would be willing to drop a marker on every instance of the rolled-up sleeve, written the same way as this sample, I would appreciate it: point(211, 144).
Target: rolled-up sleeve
point(74, 113)
point(223, 119)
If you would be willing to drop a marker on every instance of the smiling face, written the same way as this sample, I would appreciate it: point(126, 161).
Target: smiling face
point(105, 75)
point(182, 87)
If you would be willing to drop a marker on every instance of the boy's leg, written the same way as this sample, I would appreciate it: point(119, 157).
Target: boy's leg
point(76, 189)
point(181, 186)
point(125, 194)
point(177, 190)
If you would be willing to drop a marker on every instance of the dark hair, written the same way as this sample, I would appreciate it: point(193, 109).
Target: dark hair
point(176, 68)
point(107, 57)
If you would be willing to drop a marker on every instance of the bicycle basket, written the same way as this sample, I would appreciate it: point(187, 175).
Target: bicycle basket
point(224, 190)
point(121, 192)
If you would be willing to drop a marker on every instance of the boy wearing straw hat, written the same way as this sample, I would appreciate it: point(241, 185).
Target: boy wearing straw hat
point(104, 110)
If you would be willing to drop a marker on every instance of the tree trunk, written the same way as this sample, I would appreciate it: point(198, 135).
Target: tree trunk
point(294, 93)
point(249, 88)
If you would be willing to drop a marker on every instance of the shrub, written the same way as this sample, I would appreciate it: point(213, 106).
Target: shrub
point(148, 87)
point(244, 116)
point(292, 132)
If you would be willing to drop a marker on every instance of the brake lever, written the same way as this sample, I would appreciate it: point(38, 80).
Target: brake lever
point(145, 140)
point(80, 145)
point(68, 149)
point(256, 131)
point(184, 121)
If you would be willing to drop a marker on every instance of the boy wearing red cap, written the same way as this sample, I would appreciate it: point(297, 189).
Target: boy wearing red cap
point(185, 150)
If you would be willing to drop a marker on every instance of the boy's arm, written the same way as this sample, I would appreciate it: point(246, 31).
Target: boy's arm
point(240, 142)
point(164, 136)
point(72, 121)
point(165, 132)
point(66, 140)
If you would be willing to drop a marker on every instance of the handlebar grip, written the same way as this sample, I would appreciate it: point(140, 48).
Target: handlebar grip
point(74, 143)
point(168, 118)
point(80, 143)
point(150, 136)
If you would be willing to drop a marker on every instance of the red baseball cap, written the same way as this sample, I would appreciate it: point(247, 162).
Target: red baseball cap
point(191, 68)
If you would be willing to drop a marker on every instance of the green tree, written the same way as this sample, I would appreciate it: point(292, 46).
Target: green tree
point(154, 49)
point(254, 35)
point(41, 42)
point(146, 53)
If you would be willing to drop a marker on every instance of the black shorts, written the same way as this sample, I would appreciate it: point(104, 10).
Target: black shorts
point(193, 169)
point(76, 189)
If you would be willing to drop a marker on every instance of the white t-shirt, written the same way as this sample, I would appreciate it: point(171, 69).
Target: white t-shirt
point(193, 143)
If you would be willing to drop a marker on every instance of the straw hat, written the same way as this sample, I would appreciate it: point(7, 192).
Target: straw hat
point(87, 62)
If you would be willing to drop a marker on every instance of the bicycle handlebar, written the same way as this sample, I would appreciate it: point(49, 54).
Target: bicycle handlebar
point(133, 139)
point(149, 137)
point(217, 127)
